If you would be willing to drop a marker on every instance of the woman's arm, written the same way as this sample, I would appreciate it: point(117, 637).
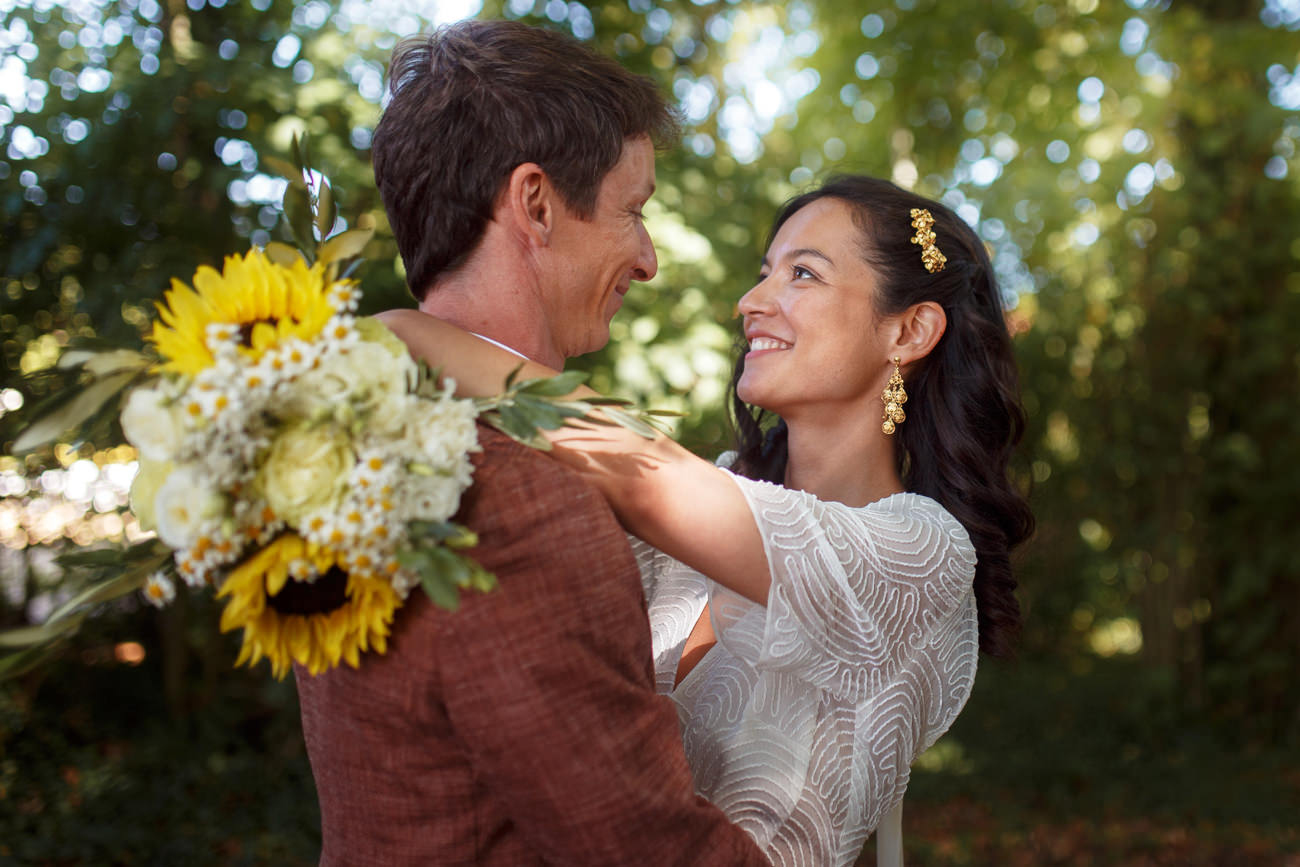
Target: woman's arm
point(679, 503)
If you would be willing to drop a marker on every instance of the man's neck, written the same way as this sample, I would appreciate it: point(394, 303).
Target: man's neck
point(496, 304)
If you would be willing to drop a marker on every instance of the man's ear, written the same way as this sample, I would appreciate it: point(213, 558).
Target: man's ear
point(528, 204)
point(919, 329)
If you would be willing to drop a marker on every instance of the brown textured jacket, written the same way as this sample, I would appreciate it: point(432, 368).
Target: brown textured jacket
point(522, 728)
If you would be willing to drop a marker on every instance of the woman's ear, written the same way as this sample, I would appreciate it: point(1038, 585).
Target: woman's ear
point(919, 329)
point(527, 205)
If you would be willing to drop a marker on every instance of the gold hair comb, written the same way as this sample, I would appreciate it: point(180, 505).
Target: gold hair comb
point(923, 222)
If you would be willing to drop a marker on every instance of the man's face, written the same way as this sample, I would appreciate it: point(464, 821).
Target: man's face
point(596, 259)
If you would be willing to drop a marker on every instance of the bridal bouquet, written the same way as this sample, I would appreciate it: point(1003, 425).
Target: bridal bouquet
point(293, 457)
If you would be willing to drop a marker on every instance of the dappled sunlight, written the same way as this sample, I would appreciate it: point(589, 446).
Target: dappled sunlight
point(1133, 169)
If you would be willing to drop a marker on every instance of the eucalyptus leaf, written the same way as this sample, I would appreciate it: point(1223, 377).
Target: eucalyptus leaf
point(601, 400)
point(304, 151)
point(283, 168)
point(16, 664)
point(76, 412)
point(539, 413)
point(630, 422)
point(296, 150)
point(345, 245)
point(559, 385)
point(102, 364)
point(283, 254)
point(28, 636)
point(516, 424)
point(297, 212)
point(441, 591)
point(105, 591)
point(74, 357)
point(571, 408)
point(481, 579)
point(326, 211)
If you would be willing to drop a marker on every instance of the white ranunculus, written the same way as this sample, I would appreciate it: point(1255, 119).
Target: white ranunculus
point(437, 499)
point(319, 391)
point(153, 424)
point(306, 471)
point(443, 431)
point(377, 372)
point(183, 505)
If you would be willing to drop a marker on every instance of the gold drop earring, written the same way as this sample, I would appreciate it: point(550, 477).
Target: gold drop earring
point(893, 397)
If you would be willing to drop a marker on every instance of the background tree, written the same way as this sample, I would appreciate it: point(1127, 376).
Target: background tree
point(1132, 167)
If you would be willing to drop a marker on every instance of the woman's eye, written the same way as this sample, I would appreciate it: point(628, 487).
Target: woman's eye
point(802, 273)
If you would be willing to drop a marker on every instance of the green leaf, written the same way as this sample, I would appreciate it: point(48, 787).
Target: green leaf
point(283, 254)
point(73, 414)
point(515, 424)
point(326, 211)
point(440, 592)
point(571, 408)
point(559, 385)
point(283, 168)
point(345, 245)
point(28, 636)
point(600, 400)
point(481, 579)
point(297, 213)
point(297, 148)
point(629, 421)
point(539, 412)
point(23, 661)
point(304, 151)
point(102, 364)
point(106, 591)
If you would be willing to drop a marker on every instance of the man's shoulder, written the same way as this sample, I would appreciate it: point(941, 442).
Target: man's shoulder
point(519, 493)
point(506, 468)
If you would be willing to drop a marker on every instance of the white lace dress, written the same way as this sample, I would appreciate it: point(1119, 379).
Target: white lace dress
point(802, 723)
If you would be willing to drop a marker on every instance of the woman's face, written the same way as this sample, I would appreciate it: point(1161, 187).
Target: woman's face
point(815, 341)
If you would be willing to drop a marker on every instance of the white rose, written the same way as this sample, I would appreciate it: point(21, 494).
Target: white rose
point(152, 424)
point(306, 471)
point(183, 505)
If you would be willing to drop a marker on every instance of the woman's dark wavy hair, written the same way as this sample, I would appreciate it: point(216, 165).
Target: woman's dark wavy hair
point(964, 416)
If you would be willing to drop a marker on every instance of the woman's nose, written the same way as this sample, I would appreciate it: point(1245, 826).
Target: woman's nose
point(756, 300)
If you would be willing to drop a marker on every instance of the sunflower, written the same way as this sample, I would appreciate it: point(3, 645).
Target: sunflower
point(268, 303)
point(334, 618)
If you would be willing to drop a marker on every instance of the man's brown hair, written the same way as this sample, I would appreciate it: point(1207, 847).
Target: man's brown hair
point(474, 100)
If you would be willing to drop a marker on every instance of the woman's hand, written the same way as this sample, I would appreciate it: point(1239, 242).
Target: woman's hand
point(681, 504)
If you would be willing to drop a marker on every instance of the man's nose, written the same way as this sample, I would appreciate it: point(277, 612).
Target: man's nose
point(647, 263)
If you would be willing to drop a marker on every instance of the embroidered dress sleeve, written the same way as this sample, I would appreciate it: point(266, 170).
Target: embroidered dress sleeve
point(859, 595)
point(804, 730)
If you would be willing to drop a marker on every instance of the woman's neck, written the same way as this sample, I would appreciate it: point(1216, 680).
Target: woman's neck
point(845, 461)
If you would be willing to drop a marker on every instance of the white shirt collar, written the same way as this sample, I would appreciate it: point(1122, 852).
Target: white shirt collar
point(509, 349)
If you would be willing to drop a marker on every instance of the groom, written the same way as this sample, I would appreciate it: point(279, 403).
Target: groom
point(522, 728)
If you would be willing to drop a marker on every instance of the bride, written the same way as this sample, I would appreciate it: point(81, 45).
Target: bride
point(818, 600)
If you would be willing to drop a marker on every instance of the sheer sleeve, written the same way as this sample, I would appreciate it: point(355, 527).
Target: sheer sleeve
point(858, 594)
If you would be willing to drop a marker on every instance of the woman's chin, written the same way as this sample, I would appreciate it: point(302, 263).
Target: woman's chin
point(751, 394)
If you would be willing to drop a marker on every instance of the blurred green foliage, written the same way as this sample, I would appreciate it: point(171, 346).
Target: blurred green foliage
point(1132, 166)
